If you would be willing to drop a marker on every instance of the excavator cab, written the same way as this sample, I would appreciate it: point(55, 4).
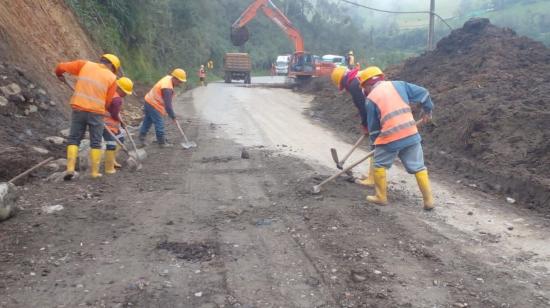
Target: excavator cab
point(302, 65)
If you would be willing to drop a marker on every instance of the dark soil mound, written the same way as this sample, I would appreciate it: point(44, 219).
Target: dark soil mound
point(492, 94)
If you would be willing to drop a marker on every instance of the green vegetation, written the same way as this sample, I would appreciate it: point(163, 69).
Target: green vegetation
point(153, 36)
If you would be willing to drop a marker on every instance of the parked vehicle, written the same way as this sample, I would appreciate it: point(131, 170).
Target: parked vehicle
point(281, 65)
point(337, 60)
point(237, 66)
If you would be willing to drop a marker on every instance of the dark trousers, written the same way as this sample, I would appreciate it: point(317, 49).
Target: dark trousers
point(80, 120)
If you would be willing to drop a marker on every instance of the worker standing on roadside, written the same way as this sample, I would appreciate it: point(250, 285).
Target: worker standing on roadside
point(113, 123)
point(202, 75)
point(158, 104)
point(393, 130)
point(95, 86)
point(350, 60)
point(347, 80)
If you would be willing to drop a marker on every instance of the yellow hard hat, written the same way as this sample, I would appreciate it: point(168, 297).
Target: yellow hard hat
point(337, 75)
point(115, 61)
point(126, 85)
point(180, 74)
point(368, 73)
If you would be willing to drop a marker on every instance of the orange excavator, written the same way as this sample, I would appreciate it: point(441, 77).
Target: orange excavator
point(303, 65)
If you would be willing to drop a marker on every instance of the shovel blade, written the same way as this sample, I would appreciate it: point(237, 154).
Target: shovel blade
point(316, 189)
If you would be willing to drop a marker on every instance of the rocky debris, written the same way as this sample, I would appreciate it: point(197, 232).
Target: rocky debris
point(27, 119)
point(56, 140)
point(40, 150)
point(10, 89)
point(65, 132)
point(8, 196)
point(52, 208)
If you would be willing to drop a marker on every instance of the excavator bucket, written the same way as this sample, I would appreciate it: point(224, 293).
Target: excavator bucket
point(239, 36)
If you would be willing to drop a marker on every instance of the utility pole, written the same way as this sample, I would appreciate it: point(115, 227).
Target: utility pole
point(431, 27)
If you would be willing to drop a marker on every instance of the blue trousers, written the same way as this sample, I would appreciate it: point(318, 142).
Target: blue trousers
point(411, 156)
point(152, 117)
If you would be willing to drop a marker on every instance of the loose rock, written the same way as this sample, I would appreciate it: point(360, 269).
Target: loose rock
point(11, 89)
point(40, 150)
point(3, 101)
point(8, 196)
point(52, 208)
point(56, 140)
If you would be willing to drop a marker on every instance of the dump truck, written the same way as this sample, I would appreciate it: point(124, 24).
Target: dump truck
point(237, 66)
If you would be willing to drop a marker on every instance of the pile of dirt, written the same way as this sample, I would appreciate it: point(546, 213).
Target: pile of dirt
point(31, 129)
point(492, 94)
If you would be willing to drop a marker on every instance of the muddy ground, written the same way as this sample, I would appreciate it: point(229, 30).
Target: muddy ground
point(206, 228)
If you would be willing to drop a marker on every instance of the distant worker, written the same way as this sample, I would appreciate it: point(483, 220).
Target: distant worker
point(393, 130)
point(113, 123)
point(347, 80)
point(350, 60)
point(358, 66)
point(202, 75)
point(96, 85)
point(158, 104)
point(210, 65)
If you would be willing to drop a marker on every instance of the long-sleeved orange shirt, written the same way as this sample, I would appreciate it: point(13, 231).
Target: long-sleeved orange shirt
point(74, 68)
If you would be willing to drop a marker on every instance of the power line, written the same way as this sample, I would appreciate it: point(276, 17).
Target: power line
point(397, 12)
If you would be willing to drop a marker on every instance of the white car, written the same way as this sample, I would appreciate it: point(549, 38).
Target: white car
point(281, 65)
point(338, 60)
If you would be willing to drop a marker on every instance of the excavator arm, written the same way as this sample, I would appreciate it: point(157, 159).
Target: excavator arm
point(239, 34)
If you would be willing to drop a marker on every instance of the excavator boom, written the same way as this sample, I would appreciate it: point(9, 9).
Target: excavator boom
point(239, 34)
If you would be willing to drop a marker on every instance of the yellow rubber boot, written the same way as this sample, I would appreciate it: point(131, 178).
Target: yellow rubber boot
point(369, 180)
point(424, 184)
point(380, 187)
point(95, 161)
point(72, 155)
point(110, 162)
point(117, 149)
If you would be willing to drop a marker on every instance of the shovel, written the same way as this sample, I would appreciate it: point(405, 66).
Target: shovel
point(139, 154)
point(340, 163)
point(132, 161)
point(317, 188)
point(187, 144)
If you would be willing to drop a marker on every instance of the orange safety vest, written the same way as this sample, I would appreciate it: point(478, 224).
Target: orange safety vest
point(92, 86)
point(110, 123)
point(396, 119)
point(154, 97)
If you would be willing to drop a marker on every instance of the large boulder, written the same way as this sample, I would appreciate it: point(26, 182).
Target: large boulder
point(8, 196)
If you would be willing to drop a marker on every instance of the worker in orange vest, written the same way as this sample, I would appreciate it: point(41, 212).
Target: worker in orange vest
point(202, 75)
point(393, 130)
point(346, 79)
point(95, 86)
point(113, 123)
point(158, 104)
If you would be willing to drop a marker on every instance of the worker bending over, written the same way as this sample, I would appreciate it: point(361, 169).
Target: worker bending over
point(113, 123)
point(393, 130)
point(95, 86)
point(347, 80)
point(158, 104)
